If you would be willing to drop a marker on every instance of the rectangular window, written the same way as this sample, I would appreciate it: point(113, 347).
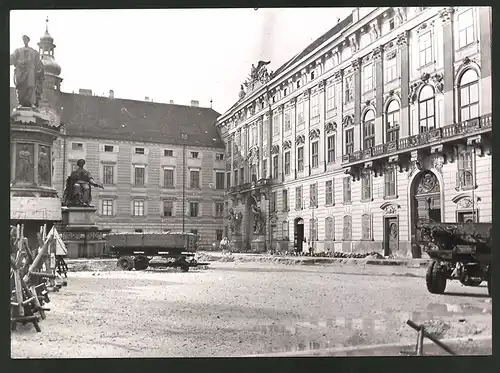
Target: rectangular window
point(366, 227)
point(77, 146)
point(275, 166)
point(313, 195)
point(348, 89)
point(285, 199)
point(465, 174)
point(219, 180)
point(236, 180)
point(315, 106)
point(168, 208)
point(368, 78)
point(168, 153)
point(349, 141)
point(347, 228)
point(287, 163)
point(194, 154)
point(330, 148)
point(298, 198)
point(288, 120)
point(274, 198)
point(347, 190)
point(168, 178)
point(218, 234)
point(228, 180)
point(107, 207)
point(193, 209)
point(194, 179)
point(108, 173)
point(300, 112)
point(390, 181)
point(329, 198)
point(108, 148)
point(465, 28)
point(391, 68)
point(140, 151)
point(330, 98)
point(314, 154)
point(366, 186)
point(219, 209)
point(264, 168)
point(219, 156)
point(300, 159)
point(368, 134)
point(138, 207)
point(426, 115)
point(139, 175)
point(242, 175)
point(425, 49)
point(276, 125)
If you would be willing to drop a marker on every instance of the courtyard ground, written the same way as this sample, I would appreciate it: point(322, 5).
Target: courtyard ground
point(241, 309)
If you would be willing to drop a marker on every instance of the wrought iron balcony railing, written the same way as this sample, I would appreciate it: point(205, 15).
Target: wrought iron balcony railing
point(439, 135)
point(249, 186)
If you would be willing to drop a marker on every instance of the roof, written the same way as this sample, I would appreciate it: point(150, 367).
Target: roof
point(140, 121)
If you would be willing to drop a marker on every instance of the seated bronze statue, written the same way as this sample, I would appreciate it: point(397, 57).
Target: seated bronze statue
point(78, 191)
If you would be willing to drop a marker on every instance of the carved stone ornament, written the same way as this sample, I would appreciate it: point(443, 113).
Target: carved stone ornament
point(428, 183)
point(391, 55)
point(353, 40)
point(228, 166)
point(389, 46)
point(330, 127)
point(415, 164)
point(438, 162)
point(275, 149)
point(305, 96)
point(253, 155)
point(348, 120)
point(465, 203)
point(446, 14)
point(375, 30)
point(355, 64)
point(390, 210)
point(293, 100)
point(235, 164)
point(438, 81)
point(337, 76)
point(321, 84)
point(287, 144)
point(301, 139)
point(314, 134)
point(412, 96)
point(402, 39)
point(377, 53)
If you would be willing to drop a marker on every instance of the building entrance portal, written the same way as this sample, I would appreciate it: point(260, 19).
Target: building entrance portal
point(298, 239)
point(425, 204)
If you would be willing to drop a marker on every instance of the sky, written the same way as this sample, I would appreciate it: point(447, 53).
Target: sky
point(171, 54)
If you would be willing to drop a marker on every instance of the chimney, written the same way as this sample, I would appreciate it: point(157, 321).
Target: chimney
point(111, 94)
point(195, 103)
point(171, 102)
point(85, 92)
point(146, 98)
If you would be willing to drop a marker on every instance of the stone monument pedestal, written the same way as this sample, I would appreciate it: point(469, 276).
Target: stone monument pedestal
point(258, 244)
point(237, 241)
point(33, 199)
point(80, 234)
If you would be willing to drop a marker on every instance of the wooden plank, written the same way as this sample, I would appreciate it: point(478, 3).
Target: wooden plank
point(19, 291)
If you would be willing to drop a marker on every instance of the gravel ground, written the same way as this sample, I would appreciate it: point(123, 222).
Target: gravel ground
point(234, 309)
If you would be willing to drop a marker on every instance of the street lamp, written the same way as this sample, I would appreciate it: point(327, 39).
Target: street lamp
point(184, 139)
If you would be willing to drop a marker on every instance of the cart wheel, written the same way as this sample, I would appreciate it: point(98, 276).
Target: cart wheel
point(435, 279)
point(141, 263)
point(126, 263)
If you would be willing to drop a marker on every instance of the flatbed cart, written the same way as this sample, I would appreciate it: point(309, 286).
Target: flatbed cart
point(137, 250)
point(460, 251)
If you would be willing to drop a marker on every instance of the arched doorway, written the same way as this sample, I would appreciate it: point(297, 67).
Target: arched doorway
point(298, 235)
point(425, 204)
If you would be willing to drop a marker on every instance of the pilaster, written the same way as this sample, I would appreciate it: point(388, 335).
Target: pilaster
point(446, 15)
point(404, 68)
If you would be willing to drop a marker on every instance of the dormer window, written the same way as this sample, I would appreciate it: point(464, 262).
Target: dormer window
point(168, 153)
point(108, 148)
point(285, 91)
point(298, 84)
point(312, 75)
point(194, 154)
point(139, 151)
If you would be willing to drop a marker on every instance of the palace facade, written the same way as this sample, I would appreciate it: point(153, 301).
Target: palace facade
point(381, 122)
point(141, 151)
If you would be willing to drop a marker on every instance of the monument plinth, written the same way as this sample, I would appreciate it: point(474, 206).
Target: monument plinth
point(258, 244)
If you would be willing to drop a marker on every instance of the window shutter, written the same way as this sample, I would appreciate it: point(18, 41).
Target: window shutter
point(146, 151)
point(101, 148)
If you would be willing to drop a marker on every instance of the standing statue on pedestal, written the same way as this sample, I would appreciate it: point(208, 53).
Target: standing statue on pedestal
point(258, 220)
point(78, 192)
point(28, 75)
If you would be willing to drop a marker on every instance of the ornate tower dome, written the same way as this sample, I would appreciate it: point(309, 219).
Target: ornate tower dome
point(47, 46)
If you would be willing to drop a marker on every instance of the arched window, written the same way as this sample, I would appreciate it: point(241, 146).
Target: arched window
point(313, 230)
point(347, 228)
point(369, 130)
point(426, 109)
point(469, 95)
point(366, 227)
point(284, 229)
point(392, 121)
point(329, 229)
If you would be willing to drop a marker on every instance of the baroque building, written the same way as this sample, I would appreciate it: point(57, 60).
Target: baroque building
point(383, 121)
point(141, 151)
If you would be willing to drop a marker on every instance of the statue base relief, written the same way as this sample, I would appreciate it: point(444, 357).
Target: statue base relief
point(258, 244)
point(80, 233)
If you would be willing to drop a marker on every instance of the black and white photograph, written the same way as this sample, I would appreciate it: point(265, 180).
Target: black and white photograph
point(251, 182)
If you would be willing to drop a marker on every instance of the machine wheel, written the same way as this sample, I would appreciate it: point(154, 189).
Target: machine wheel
point(126, 263)
point(471, 282)
point(435, 279)
point(183, 265)
point(141, 263)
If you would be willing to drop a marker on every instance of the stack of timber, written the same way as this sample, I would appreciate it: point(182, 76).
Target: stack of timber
point(33, 273)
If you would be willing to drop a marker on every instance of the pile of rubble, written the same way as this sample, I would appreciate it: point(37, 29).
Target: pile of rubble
point(329, 254)
point(33, 274)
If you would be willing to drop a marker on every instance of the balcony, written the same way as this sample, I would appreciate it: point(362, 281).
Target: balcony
point(248, 187)
point(450, 134)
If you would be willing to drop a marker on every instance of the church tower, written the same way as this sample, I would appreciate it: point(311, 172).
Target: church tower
point(50, 102)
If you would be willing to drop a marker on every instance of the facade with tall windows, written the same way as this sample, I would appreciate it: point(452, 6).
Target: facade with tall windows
point(383, 121)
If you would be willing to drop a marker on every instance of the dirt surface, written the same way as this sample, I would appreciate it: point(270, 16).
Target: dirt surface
point(235, 309)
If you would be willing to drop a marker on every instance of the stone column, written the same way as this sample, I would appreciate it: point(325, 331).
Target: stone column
point(446, 15)
point(339, 145)
point(405, 125)
point(322, 121)
point(379, 96)
point(356, 64)
point(307, 144)
point(293, 150)
point(485, 58)
point(260, 132)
